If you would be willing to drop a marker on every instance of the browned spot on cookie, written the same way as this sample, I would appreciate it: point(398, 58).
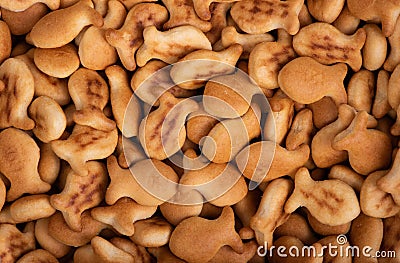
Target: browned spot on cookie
point(135, 42)
point(319, 201)
point(166, 134)
point(331, 56)
point(284, 14)
point(16, 244)
point(92, 88)
point(334, 196)
point(284, 5)
point(72, 200)
point(277, 55)
point(255, 10)
point(52, 81)
point(305, 194)
point(87, 138)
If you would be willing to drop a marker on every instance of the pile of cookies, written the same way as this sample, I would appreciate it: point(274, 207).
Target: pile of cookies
point(199, 130)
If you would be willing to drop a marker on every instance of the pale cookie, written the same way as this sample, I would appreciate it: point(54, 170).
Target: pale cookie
point(305, 80)
point(90, 94)
point(198, 240)
point(369, 149)
point(171, 45)
point(193, 70)
point(153, 79)
point(58, 62)
point(18, 6)
point(49, 164)
point(60, 27)
point(229, 96)
point(378, 11)
point(85, 254)
point(346, 21)
point(16, 93)
point(261, 163)
point(46, 85)
point(124, 181)
point(84, 144)
point(38, 255)
point(390, 182)
point(228, 191)
point(325, 10)
point(323, 153)
point(301, 130)
point(131, 152)
point(395, 129)
point(107, 252)
point(360, 90)
point(59, 230)
point(162, 132)
point(138, 252)
point(21, 23)
point(230, 36)
point(6, 44)
point(181, 12)
point(152, 232)
point(265, 61)
point(199, 124)
point(21, 209)
point(218, 20)
point(374, 201)
point(278, 123)
point(93, 40)
point(47, 242)
point(175, 213)
point(347, 175)
point(14, 243)
point(123, 102)
point(123, 214)
point(228, 137)
point(49, 118)
point(375, 48)
point(81, 193)
point(393, 89)
point(256, 17)
point(328, 45)
point(270, 213)
point(327, 230)
point(393, 58)
point(366, 231)
point(202, 7)
point(332, 202)
point(129, 37)
point(19, 162)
